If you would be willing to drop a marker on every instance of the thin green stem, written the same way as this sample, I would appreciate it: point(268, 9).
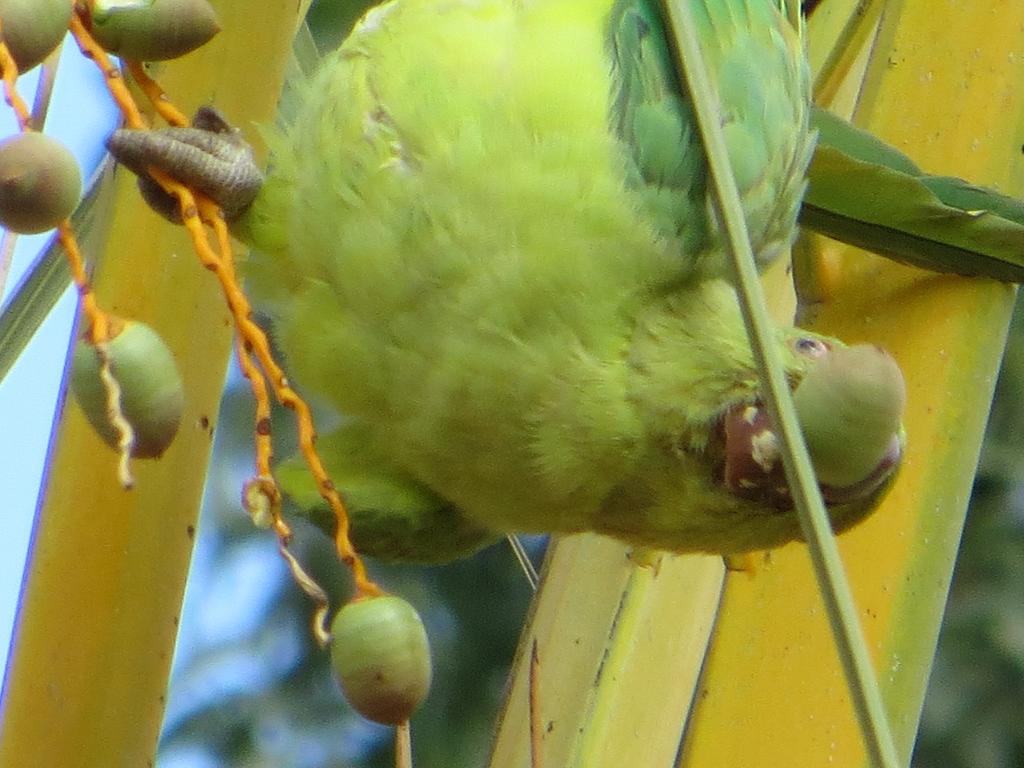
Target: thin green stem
point(810, 508)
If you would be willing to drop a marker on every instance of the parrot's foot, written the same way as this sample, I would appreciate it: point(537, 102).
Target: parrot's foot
point(210, 157)
point(747, 562)
point(646, 557)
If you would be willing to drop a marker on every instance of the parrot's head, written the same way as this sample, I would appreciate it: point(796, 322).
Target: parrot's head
point(849, 402)
point(715, 480)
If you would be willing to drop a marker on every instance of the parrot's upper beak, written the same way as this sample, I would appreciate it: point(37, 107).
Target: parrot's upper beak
point(752, 462)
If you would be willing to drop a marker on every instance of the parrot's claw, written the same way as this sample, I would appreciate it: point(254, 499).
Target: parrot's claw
point(210, 157)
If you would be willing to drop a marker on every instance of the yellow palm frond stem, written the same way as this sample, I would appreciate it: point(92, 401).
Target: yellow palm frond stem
point(620, 637)
point(106, 573)
point(942, 83)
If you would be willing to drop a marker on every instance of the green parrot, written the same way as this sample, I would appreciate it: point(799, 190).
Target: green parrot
point(487, 240)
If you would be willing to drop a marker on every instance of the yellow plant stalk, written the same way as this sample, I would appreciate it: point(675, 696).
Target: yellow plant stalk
point(941, 81)
point(614, 678)
point(100, 603)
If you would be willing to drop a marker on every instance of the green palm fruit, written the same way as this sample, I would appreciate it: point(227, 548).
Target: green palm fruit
point(39, 183)
point(152, 395)
point(153, 30)
point(33, 28)
point(381, 657)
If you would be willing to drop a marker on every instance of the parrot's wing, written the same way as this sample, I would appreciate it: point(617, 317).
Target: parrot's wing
point(757, 61)
point(392, 517)
point(665, 158)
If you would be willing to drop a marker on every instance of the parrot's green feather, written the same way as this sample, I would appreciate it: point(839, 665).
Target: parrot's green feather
point(764, 88)
point(656, 125)
point(486, 240)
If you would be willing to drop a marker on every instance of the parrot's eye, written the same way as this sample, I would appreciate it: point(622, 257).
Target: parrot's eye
point(810, 347)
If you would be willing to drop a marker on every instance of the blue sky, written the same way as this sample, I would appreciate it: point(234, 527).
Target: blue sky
point(80, 116)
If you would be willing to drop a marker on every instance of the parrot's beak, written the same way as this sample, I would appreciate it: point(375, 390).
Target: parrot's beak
point(752, 462)
point(871, 484)
point(850, 407)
